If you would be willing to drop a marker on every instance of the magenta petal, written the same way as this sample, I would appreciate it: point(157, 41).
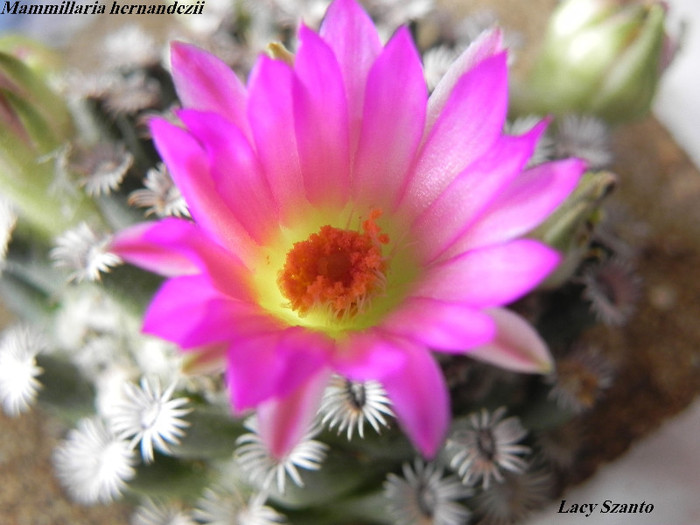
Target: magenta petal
point(368, 355)
point(206, 83)
point(468, 126)
point(286, 358)
point(150, 246)
point(453, 213)
point(350, 33)
point(392, 126)
point(488, 44)
point(188, 164)
point(321, 121)
point(131, 244)
point(517, 346)
point(271, 114)
point(246, 360)
point(441, 325)
point(237, 174)
point(525, 203)
point(420, 401)
point(189, 311)
point(490, 276)
point(282, 423)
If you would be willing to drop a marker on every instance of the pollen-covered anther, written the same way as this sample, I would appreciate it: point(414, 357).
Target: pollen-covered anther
point(339, 270)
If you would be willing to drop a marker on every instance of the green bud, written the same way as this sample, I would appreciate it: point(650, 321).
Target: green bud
point(35, 124)
point(602, 57)
point(569, 228)
point(36, 56)
point(27, 96)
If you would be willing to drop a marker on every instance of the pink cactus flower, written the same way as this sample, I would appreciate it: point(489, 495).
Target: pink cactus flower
point(347, 222)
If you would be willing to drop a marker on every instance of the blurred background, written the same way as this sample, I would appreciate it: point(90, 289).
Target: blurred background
point(663, 467)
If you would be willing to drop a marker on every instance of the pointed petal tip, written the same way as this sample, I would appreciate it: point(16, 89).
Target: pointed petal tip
point(145, 245)
point(181, 53)
point(420, 400)
point(489, 42)
point(282, 423)
point(342, 8)
point(539, 129)
point(347, 14)
point(429, 448)
point(176, 47)
point(517, 347)
point(160, 125)
point(304, 32)
point(485, 46)
point(204, 81)
point(179, 48)
point(579, 165)
point(403, 44)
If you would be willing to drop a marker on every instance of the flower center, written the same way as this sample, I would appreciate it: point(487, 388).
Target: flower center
point(336, 270)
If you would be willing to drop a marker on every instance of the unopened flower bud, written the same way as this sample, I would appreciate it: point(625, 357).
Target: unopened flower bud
point(31, 110)
point(35, 124)
point(569, 228)
point(603, 57)
point(39, 58)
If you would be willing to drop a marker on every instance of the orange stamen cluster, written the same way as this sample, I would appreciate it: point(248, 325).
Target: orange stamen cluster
point(336, 269)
